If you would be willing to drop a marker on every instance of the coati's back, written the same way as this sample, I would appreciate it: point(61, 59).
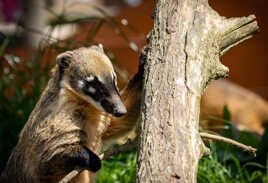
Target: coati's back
point(61, 134)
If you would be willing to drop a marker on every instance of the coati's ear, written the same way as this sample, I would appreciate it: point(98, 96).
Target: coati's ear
point(64, 59)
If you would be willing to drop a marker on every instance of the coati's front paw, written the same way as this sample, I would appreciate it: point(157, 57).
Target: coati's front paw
point(93, 161)
point(73, 156)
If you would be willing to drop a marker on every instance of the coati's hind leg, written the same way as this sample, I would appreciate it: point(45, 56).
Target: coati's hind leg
point(64, 162)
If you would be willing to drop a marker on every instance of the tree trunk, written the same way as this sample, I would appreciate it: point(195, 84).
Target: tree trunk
point(33, 22)
point(181, 57)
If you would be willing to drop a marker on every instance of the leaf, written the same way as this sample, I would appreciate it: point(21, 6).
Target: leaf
point(249, 138)
point(226, 113)
point(263, 147)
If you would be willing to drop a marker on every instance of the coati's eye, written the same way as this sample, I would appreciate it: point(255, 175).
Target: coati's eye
point(95, 88)
point(91, 89)
point(86, 84)
point(90, 84)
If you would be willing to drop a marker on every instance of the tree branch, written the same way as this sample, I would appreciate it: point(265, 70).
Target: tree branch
point(239, 30)
point(110, 152)
point(229, 141)
point(129, 145)
point(71, 175)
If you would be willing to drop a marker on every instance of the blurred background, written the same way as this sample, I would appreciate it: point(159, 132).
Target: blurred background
point(33, 32)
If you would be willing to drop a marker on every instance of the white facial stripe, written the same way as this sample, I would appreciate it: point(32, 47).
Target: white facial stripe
point(81, 84)
point(90, 78)
point(91, 90)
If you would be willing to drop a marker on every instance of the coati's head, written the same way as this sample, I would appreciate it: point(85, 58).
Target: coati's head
point(89, 74)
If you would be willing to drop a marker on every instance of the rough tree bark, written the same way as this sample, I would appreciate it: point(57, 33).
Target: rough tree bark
point(181, 57)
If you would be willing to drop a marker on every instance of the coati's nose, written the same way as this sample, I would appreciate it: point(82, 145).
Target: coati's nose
point(114, 106)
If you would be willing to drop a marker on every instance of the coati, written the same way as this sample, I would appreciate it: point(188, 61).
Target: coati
point(79, 109)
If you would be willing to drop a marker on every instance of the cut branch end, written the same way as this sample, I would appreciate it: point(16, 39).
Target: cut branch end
point(238, 30)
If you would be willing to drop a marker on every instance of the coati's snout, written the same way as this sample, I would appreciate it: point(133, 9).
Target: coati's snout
point(114, 105)
point(91, 76)
point(104, 96)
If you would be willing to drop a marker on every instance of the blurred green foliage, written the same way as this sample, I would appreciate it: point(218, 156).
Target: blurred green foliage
point(20, 88)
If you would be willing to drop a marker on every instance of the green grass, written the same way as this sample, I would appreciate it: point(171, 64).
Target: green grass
point(212, 170)
point(122, 168)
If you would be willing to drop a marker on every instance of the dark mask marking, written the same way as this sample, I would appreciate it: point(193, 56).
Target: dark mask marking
point(108, 106)
point(101, 91)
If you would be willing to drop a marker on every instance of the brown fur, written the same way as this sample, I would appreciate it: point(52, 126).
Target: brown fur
point(64, 119)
